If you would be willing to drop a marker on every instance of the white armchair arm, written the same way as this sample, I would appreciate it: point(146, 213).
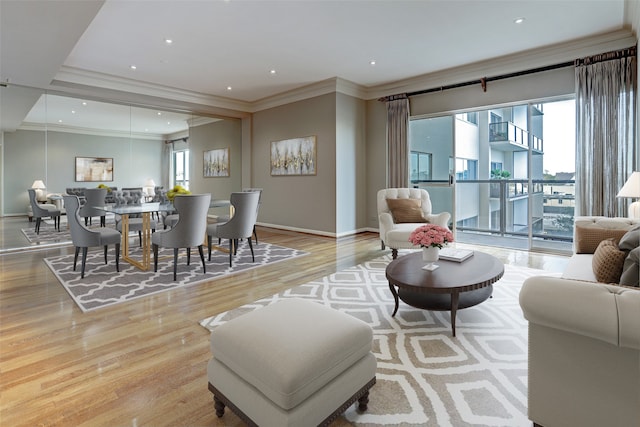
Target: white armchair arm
point(441, 219)
point(385, 222)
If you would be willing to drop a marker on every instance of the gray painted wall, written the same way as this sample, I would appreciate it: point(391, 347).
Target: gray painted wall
point(211, 136)
point(306, 203)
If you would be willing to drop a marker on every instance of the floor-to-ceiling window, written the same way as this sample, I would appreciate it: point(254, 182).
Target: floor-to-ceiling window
point(513, 168)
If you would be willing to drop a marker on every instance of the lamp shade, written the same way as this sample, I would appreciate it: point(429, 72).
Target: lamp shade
point(150, 183)
point(631, 188)
point(38, 184)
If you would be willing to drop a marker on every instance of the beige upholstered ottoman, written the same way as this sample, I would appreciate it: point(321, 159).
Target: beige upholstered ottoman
point(292, 363)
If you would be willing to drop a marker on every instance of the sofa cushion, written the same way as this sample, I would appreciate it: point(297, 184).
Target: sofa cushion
point(607, 262)
point(587, 238)
point(631, 269)
point(631, 239)
point(406, 210)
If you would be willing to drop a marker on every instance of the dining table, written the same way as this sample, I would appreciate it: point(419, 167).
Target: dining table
point(145, 210)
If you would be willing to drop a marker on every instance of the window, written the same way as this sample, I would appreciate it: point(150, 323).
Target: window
point(496, 166)
point(181, 168)
point(420, 166)
point(466, 169)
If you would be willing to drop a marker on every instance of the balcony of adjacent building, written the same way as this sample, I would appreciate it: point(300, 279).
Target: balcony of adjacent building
point(505, 136)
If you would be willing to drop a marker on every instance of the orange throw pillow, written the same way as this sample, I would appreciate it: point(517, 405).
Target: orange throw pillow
point(588, 238)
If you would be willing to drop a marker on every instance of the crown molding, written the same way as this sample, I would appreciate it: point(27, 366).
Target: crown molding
point(90, 131)
point(521, 61)
point(71, 76)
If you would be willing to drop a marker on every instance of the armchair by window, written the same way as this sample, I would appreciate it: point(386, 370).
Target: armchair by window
point(402, 210)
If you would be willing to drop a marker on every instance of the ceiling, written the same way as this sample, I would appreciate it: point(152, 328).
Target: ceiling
point(225, 50)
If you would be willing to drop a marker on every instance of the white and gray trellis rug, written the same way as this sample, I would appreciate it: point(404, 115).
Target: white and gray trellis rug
point(102, 286)
point(425, 376)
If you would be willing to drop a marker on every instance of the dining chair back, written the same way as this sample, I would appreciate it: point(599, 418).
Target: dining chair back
point(259, 191)
point(240, 225)
point(43, 211)
point(84, 238)
point(189, 230)
point(94, 198)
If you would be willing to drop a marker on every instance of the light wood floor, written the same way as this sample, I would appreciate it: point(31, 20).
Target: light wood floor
point(143, 363)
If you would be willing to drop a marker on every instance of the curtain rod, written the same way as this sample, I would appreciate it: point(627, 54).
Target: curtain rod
point(483, 81)
point(171, 141)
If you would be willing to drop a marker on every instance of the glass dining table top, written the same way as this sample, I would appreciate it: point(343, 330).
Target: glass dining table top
point(154, 207)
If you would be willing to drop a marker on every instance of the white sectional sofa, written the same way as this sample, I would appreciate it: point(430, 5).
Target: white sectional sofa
point(584, 341)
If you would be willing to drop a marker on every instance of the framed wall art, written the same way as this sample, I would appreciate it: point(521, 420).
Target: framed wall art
point(295, 156)
point(94, 169)
point(216, 163)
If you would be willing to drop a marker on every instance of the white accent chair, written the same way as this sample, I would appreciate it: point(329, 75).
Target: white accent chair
point(395, 235)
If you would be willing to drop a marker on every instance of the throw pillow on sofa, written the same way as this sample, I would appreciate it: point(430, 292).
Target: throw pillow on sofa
point(608, 261)
point(631, 239)
point(631, 269)
point(587, 239)
point(406, 210)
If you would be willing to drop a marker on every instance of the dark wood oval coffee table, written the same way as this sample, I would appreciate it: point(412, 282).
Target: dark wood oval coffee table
point(452, 286)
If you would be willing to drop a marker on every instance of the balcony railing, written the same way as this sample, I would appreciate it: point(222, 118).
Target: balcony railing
point(552, 209)
point(508, 132)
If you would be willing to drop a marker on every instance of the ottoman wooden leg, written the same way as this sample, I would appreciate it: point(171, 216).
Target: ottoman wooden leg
point(363, 402)
point(219, 405)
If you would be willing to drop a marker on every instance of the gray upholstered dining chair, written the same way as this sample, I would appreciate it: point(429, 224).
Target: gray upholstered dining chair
point(240, 226)
point(94, 198)
point(43, 211)
point(189, 231)
point(84, 238)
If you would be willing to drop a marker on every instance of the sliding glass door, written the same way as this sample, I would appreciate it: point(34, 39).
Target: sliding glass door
point(505, 173)
point(431, 159)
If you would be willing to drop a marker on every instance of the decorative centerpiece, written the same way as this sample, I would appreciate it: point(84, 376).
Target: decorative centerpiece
point(178, 189)
point(105, 186)
point(431, 239)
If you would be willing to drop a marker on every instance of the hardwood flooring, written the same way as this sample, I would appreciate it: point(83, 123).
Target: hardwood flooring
point(143, 363)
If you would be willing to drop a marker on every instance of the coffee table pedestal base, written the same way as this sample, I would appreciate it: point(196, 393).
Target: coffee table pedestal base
point(441, 301)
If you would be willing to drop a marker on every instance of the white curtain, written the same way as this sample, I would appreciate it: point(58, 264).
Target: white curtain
point(605, 131)
point(397, 140)
point(167, 151)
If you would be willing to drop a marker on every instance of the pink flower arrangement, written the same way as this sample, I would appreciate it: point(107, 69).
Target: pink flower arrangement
point(431, 235)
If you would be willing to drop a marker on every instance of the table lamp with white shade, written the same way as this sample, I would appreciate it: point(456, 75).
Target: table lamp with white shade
point(149, 187)
point(631, 189)
point(39, 186)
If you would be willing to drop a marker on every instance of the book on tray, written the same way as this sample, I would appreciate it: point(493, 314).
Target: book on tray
point(452, 254)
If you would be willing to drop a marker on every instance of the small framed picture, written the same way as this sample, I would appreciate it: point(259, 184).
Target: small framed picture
point(216, 163)
point(94, 169)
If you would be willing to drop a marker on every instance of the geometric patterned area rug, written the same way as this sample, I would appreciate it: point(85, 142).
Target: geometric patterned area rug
point(426, 377)
point(48, 235)
point(102, 286)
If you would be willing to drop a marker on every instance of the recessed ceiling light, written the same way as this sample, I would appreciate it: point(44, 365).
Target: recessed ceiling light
point(159, 113)
point(168, 41)
point(372, 62)
point(272, 72)
point(133, 67)
point(59, 121)
point(229, 88)
point(146, 129)
point(84, 103)
point(73, 111)
point(168, 123)
point(518, 20)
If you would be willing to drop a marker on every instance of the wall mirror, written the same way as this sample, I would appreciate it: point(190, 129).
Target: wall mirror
point(43, 133)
